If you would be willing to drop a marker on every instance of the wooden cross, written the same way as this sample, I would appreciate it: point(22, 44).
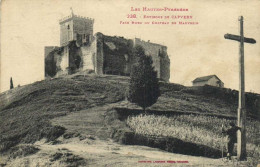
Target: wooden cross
point(241, 112)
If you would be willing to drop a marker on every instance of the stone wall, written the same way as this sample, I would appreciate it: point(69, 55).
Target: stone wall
point(56, 62)
point(105, 55)
point(88, 56)
point(99, 55)
point(116, 53)
point(151, 50)
point(73, 26)
point(66, 31)
point(75, 57)
point(70, 59)
point(48, 49)
point(164, 66)
point(62, 62)
point(84, 27)
point(80, 50)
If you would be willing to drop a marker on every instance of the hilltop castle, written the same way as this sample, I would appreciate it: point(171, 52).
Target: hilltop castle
point(80, 50)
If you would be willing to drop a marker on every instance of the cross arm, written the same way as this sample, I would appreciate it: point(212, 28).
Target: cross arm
point(237, 38)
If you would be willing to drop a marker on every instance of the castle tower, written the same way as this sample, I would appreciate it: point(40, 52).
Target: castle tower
point(75, 27)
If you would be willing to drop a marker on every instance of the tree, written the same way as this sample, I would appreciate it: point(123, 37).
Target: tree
point(11, 83)
point(144, 84)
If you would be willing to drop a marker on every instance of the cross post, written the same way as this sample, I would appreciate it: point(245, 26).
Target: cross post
point(241, 111)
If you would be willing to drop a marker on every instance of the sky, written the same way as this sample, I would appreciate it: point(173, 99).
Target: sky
point(194, 50)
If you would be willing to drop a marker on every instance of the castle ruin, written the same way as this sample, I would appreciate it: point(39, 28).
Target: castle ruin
point(80, 50)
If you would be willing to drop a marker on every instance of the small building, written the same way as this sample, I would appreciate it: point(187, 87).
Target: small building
point(212, 80)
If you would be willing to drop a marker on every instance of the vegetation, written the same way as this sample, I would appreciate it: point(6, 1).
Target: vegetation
point(190, 128)
point(25, 115)
point(22, 151)
point(144, 85)
point(11, 83)
point(26, 112)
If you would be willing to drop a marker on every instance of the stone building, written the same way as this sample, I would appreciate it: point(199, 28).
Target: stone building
point(212, 80)
point(81, 50)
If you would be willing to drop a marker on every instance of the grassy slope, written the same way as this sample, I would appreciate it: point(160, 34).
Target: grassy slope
point(25, 112)
point(206, 99)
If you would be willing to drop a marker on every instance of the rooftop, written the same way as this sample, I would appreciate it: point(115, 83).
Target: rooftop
point(205, 78)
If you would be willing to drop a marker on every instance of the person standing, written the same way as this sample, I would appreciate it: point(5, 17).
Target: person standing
point(231, 132)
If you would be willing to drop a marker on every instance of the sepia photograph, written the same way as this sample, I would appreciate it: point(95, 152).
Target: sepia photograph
point(115, 83)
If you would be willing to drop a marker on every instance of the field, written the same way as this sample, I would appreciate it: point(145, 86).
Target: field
point(204, 130)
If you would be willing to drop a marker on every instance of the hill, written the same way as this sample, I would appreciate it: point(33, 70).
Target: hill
point(55, 107)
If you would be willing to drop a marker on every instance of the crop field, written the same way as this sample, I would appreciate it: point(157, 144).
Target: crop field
point(196, 129)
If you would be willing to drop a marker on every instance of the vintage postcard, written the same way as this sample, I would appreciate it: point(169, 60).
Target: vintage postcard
point(129, 83)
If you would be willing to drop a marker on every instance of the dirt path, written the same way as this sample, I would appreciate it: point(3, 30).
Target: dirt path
point(107, 153)
point(94, 148)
